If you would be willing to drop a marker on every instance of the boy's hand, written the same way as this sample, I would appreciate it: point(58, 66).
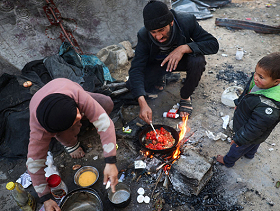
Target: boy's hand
point(232, 142)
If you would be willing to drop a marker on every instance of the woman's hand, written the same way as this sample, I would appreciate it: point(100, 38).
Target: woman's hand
point(111, 173)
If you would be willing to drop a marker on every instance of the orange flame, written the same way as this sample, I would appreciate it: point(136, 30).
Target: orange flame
point(166, 168)
point(176, 153)
point(184, 129)
point(147, 153)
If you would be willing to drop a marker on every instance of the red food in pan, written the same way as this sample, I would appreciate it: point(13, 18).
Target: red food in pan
point(165, 139)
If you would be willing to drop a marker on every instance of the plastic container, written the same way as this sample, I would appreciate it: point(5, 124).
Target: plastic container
point(23, 198)
point(170, 115)
point(58, 187)
point(239, 54)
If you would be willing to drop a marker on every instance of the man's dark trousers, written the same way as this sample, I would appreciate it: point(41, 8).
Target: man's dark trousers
point(193, 65)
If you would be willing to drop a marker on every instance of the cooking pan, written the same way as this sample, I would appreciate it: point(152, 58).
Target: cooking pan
point(174, 133)
point(82, 199)
point(121, 197)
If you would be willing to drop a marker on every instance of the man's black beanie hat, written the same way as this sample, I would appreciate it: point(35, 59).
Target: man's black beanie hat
point(156, 15)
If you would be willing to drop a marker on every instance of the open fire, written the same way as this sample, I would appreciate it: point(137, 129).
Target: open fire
point(183, 130)
point(176, 165)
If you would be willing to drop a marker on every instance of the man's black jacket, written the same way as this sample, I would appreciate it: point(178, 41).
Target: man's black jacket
point(190, 32)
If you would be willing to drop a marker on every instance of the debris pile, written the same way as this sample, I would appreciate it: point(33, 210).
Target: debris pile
point(229, 75)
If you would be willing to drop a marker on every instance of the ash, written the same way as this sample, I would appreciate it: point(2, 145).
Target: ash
point(213, 196)
point(229, 75)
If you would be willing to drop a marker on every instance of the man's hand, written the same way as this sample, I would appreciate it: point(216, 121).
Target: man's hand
point(175, 56)
point(232, 142)
point(51, 205)
point(145, 111)
point(111, 173)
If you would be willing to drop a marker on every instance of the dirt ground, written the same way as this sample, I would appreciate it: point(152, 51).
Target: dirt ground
point(250, 184)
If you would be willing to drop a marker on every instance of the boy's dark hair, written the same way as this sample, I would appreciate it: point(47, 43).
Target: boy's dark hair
point(271, 64)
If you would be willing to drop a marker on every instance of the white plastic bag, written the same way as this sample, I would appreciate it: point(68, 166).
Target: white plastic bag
point(230, 94)
point(51, 168)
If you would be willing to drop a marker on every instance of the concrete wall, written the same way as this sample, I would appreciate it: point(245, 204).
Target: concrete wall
point(26, 33)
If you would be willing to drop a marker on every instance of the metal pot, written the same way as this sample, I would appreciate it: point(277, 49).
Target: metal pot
point(82, 199)
point(121, 197)
point(147, 129)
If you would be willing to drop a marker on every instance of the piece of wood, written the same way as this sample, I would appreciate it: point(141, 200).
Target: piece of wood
point(120, 91)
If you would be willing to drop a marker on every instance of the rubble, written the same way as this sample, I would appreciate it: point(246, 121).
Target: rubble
point(219, 136)
point(225, 121)
point(231, 76)
point(114, 57)
point(212, 197)
point(128, 48)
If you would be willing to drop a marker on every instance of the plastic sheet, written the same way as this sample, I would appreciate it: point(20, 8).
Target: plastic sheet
point(198, 9)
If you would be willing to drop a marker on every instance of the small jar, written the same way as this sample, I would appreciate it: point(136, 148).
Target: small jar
point(58, 187)
point(239, 53)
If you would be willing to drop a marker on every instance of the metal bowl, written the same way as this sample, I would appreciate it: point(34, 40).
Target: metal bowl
point(83, 199)
point(81, 171)
point(121, 197)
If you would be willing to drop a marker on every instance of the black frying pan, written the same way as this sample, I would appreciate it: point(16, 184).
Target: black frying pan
point(147, 129)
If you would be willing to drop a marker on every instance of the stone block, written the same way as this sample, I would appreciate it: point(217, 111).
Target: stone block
point(128, 48)
point(113, 56)
point(190, 173)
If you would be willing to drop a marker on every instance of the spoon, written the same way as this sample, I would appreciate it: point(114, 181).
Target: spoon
point(154, 130)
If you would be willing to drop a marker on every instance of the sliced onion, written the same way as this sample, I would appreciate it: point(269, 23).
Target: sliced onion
point(140, 198)
point(147, 199)
point(141, 191)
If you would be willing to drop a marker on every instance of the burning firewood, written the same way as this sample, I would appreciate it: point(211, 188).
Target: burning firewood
point(158, 179)
point(159, 204)
point(166, 182)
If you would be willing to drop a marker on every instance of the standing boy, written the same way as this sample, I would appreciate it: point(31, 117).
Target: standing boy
point(257, 111)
